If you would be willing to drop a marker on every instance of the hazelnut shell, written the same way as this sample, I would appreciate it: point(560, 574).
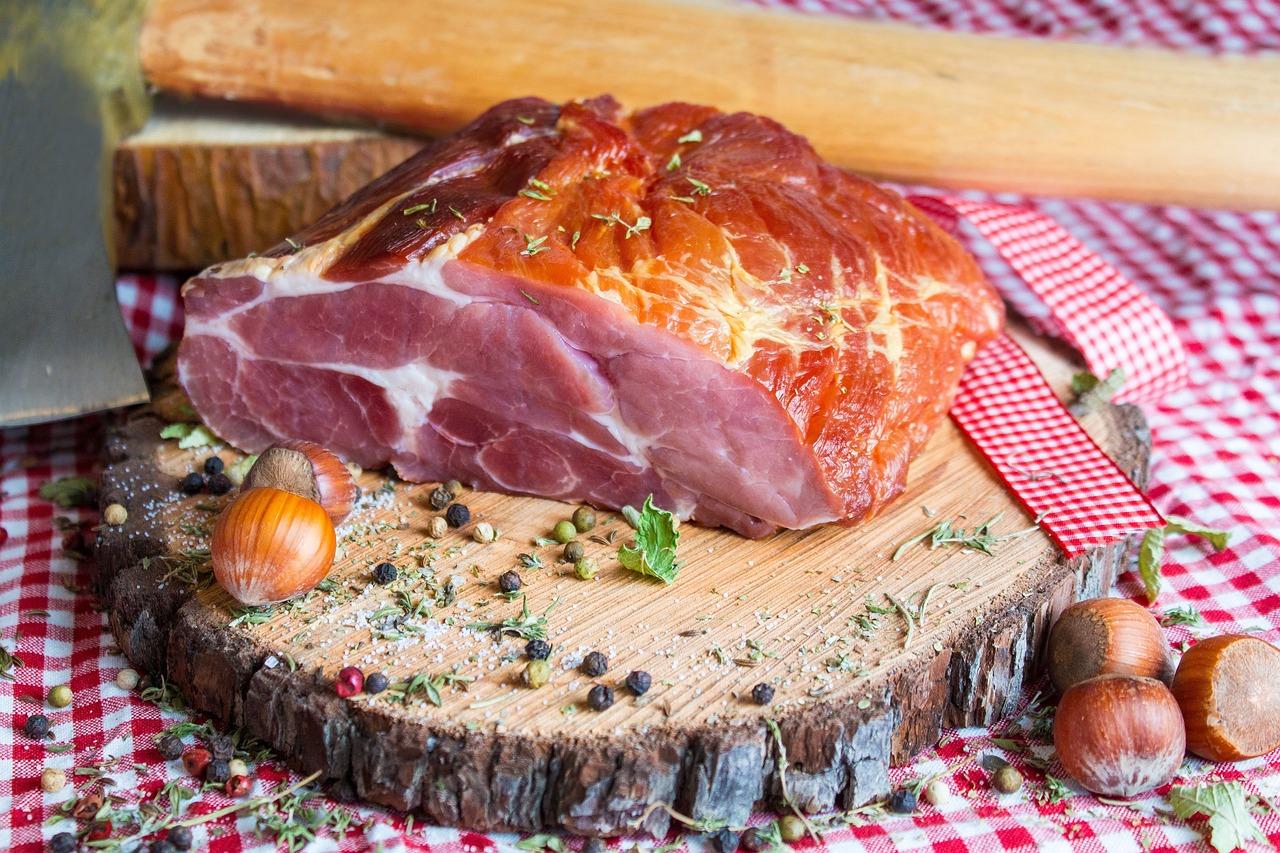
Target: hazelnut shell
point(1228, 688)
point(1106, 636)
point(269, 545)
point(306, 469)
point(1119, 735)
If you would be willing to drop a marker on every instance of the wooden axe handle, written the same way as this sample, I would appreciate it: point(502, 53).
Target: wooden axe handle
point(1045, 118)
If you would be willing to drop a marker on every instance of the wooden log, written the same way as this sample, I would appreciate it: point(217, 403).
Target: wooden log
point(945, 109)
point(203, 183)
point(501, 756)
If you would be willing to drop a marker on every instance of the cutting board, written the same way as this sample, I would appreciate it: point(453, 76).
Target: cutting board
point(856, 689)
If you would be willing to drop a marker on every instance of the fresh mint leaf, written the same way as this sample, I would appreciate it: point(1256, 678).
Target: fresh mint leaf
point(1230, 824)
point(656, 540)
point(1102, 390)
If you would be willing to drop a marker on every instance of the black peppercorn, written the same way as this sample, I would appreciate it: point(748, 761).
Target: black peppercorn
point(192, 484)
point(752, 841)
point(638, 682)
point(537, 649)
point(724, 841)
point(222, 747)
point(573, 551)
point(63, 842)
point(457, 515)
point(36, 727)
point(594, 665)
point(213, 465)
point(218, 484)
point(593, 845)
point(509, 581)
point(170, 747)
point(218, 771)
point(180, 837)
point(439, 497)
point(374, 683)
point(762, 693)
point(600, 697)
point(384, 573)
point(162, 846)
point(902, 801)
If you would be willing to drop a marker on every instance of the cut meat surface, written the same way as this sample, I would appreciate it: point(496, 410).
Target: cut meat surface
point(577, 303)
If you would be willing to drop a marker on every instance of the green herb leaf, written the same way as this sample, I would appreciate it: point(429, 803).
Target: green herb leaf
point(1230, 824)
point(691, 136)
point(1186, 615)
point(699, 188)
point(674, 162)
point(1150, 556)
point(1219, 539)
point(656, 540)
point(70, 492)
point(190, 435)
point(238, 470)
point(418, 208)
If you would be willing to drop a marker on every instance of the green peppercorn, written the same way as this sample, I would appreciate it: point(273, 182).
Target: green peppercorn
point(60, 696)
point(573, 551)
point(585, 569)
point(564, 531)
point(1007, 780)
point(537, 673)
point(584, 518)
point(791, 829)
point(453, 487)
point(440, 497)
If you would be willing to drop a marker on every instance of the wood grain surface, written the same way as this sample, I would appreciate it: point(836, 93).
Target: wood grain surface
point(945, 109)
point(856, 689)
point(204, 183)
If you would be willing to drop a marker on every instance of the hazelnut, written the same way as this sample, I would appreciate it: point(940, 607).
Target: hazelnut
point(269, 545)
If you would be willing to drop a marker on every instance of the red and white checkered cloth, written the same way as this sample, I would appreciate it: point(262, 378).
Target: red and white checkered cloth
point(1216, 459)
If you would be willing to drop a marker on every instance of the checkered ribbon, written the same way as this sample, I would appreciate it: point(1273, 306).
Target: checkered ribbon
point(1008, 410)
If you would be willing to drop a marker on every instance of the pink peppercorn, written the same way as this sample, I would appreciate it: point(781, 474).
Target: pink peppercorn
point(196, 760)
point(4, 536)
point(349, 682)
point(238, 786)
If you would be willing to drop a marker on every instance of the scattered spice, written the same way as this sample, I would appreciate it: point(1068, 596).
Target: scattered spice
point(350, 682)
point(375, 683)
point(384, 573)
point(180, 837)
point(238, 786)
point(537, 649)
point(1007, 779)
point(937, 793)
point(584, 518)
point(218, 484)
point(585, 569)
point(63, 842)
point(196, 760)
point(981, 539)
point(484, 533)
point(192, 484)
point(525, 625)
point(724, 840)
point(600, 697)
point(127, 679)
point(642, 224)
point(573, 552)
point(52, 780)
point(115, 515)
point(437, 527)
point(36, 727)
point(762, 693)
point(218, 771)
point(170, 747)
point(791, 829)
point(60, 696)
point(457, 515)
point(638, 682)
point(509, 582)
point(903, 801)
point(594, 665)
point(439, 498)
point(537, 673)
point(564, 532)
point(221, 747)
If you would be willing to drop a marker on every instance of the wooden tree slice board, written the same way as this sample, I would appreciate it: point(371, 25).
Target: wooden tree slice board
point(791, 610)
point(206, 181)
